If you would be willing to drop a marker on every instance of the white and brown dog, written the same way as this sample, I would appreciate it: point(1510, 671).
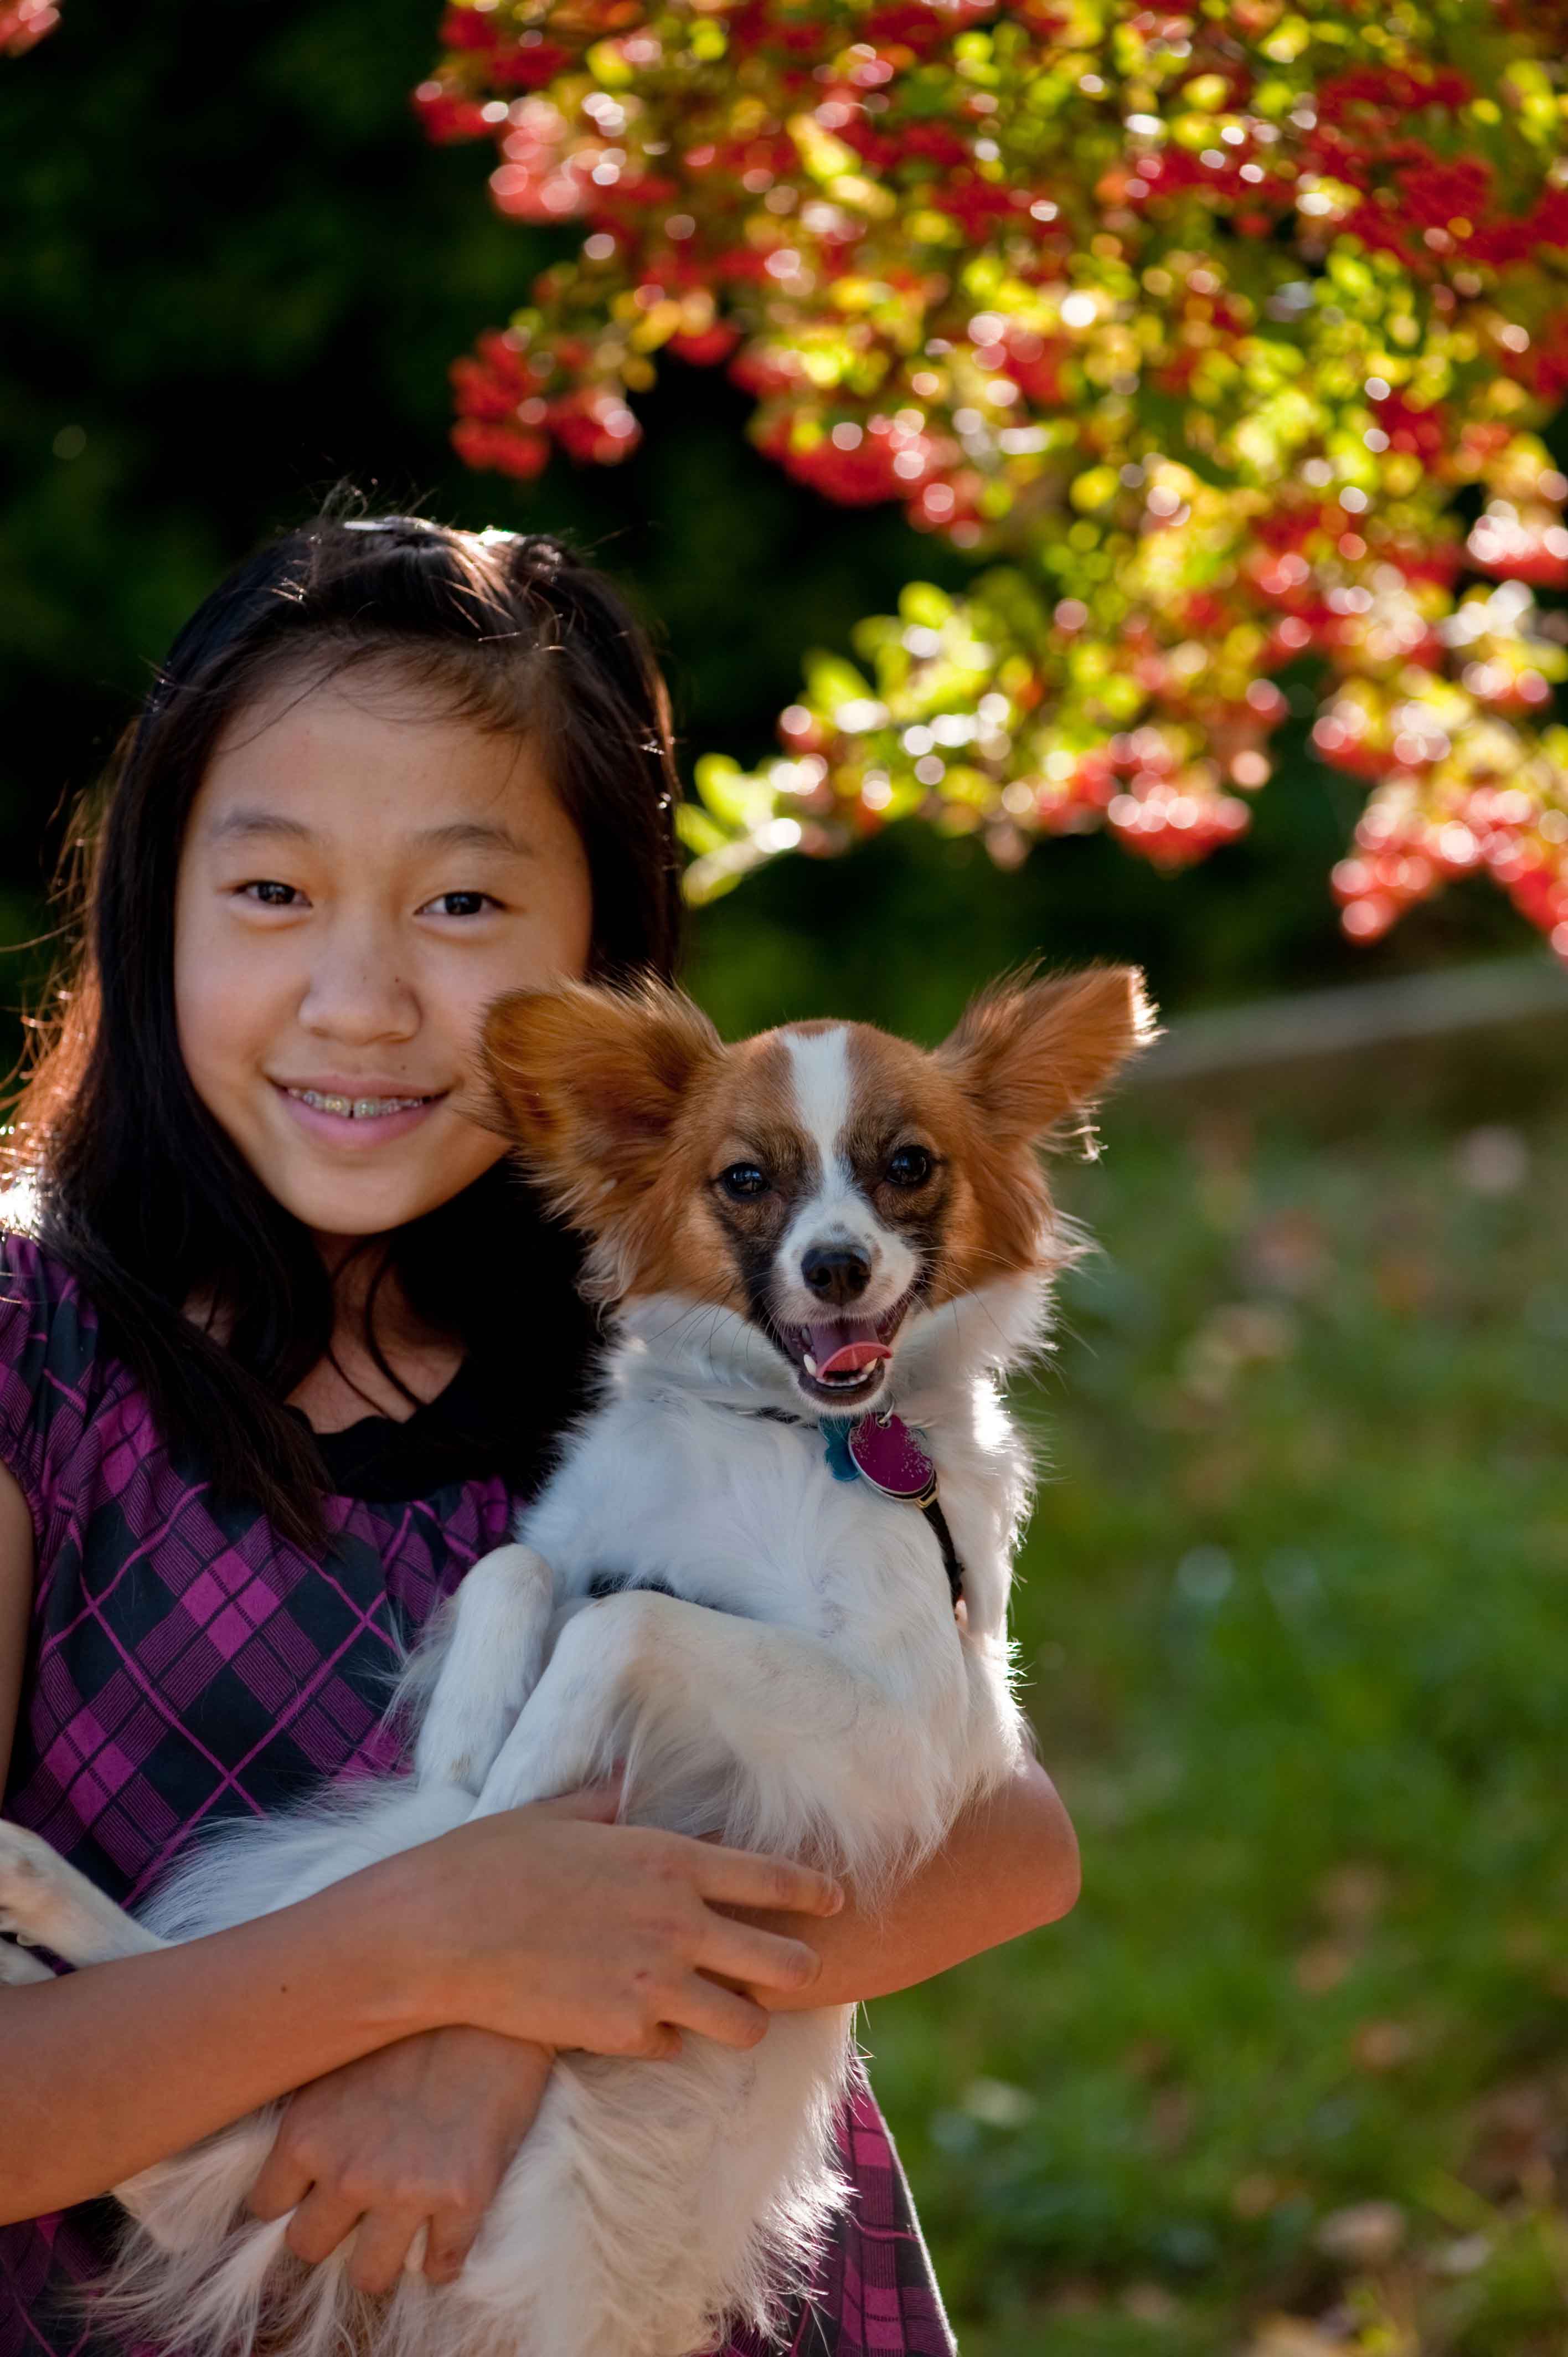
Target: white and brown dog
point(824, 1249)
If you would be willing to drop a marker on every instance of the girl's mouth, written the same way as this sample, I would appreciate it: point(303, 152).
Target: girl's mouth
point(338, 1119)
point(356, 1108)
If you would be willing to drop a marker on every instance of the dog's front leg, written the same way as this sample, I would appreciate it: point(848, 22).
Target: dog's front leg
point(490, 1666)
point(642, 1664)
point(46, 1904)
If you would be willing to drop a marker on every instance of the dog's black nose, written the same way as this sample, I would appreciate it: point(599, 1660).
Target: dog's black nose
point(836, 1272)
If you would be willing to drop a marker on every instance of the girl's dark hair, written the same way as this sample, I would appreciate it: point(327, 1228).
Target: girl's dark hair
point(139, 1191)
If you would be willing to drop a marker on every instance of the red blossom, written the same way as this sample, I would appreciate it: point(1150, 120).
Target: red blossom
point(510, 451)
point(1035, 320)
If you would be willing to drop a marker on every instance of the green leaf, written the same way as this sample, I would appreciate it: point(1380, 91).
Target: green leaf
point(699, 829)
point(740, 801)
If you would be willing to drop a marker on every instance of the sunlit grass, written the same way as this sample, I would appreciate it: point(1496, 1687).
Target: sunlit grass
point(1295, 1629)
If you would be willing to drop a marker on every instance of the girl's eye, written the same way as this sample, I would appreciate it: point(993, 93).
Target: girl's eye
point(270, 894)
point(910, 1167)
point(460, 904)
point(743, 1180)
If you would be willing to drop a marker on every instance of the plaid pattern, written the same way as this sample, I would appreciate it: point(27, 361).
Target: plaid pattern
point(187, 1662)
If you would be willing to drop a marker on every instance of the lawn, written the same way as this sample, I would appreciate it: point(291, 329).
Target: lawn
point(1294, 1623)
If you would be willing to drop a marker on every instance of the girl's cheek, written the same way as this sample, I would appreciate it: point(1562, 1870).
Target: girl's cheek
point(227, 1005)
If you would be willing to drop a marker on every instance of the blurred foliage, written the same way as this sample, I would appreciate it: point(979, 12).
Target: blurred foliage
point(1219, 326)
point(232, 271)
point(1294, 1616)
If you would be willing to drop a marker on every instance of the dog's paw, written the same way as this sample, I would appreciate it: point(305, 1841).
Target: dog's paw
point(30, 1883)
point(19, 1967)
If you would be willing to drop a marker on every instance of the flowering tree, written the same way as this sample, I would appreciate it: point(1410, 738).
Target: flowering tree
point(1226, 338)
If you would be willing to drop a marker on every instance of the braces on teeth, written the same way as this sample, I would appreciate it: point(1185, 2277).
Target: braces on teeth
point(356, 1108)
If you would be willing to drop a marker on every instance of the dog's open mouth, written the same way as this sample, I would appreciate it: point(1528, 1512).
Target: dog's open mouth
point(843, 1360)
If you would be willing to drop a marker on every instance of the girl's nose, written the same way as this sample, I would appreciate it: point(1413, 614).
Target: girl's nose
point(356, 992)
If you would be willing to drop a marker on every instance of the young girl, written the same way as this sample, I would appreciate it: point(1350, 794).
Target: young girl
point(282, 1346)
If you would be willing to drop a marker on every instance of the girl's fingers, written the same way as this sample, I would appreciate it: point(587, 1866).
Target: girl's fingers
point(381, 2242)
point(757, 1959)
point(661, 2044)
point(718, 2013)
point(741, 1877)
point(322, 2220)
point(281, 2187)
point(451, 2240)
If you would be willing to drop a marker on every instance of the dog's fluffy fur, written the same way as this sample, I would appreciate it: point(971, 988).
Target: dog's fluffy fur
point(781, 1663)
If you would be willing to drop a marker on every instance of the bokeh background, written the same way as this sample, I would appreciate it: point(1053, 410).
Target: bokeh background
point(1295, 2076)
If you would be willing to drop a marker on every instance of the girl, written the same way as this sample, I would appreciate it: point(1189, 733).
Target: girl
point(282, 1350)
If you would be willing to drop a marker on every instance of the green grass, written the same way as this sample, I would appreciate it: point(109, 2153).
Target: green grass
point(1295, 1624)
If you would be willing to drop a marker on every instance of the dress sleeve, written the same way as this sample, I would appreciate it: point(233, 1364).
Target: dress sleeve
point(48, 1349)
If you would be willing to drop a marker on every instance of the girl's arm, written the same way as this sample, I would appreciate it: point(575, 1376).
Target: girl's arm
point(542, 1925)
point(1009, 1865)
point(555, 1930)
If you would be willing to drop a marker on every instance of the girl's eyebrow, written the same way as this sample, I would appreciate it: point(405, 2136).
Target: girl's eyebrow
point(456, 834)
point(244, 822)
point(475, 834)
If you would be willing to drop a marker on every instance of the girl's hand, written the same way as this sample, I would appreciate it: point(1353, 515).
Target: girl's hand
point(419, 2134)
point(553, 1923)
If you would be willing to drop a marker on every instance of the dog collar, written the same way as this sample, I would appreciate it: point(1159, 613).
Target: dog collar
point(880, 1449)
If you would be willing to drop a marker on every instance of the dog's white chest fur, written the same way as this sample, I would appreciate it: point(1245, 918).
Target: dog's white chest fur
point(721, 1604)
point(729, 1508)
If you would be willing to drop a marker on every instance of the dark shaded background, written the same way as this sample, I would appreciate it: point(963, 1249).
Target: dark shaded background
point(232, 272)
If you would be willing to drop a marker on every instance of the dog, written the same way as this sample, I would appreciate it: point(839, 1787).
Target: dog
point(769, 1574)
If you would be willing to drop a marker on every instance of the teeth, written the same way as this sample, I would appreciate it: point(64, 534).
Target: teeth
point(354, 1108)
point(810, 1365)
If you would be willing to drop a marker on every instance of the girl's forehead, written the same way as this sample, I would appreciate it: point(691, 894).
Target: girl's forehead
point(373, 762)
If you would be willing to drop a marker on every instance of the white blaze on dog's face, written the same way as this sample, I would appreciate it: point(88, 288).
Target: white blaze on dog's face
point(825, 1182)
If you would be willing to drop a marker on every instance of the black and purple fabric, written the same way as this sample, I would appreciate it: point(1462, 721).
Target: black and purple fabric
point(186, 1663)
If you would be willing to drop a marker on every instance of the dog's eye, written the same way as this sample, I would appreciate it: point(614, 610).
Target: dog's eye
point(910, 1167)
point(743, 1179)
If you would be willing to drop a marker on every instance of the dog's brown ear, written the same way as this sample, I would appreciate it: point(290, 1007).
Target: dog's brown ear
point(1032, 1055)
point(587, 1082)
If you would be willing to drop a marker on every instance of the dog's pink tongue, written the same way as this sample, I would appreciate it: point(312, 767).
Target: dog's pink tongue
point(844, 1350)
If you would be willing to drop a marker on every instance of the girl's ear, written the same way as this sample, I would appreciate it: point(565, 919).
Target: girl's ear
point(1030, 1055)
point(587, 1083)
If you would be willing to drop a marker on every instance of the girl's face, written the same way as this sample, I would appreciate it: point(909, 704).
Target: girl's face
point(360, 877)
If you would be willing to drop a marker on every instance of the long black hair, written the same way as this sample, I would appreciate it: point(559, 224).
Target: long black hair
point(139, 1191)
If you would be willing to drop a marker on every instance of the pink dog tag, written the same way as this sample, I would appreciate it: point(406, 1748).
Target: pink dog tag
point(888, 1453)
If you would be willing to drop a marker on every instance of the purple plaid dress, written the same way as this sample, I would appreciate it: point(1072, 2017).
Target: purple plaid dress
point(185, 1662)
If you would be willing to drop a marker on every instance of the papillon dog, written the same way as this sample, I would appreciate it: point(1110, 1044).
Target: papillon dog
point(769, 1575)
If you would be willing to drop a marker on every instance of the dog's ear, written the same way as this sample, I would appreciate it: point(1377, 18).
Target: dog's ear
point(1032, 1055)
point(587, 1083)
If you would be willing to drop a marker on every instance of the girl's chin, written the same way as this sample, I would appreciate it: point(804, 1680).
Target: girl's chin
point(353, 1212)
point(345, 1187)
